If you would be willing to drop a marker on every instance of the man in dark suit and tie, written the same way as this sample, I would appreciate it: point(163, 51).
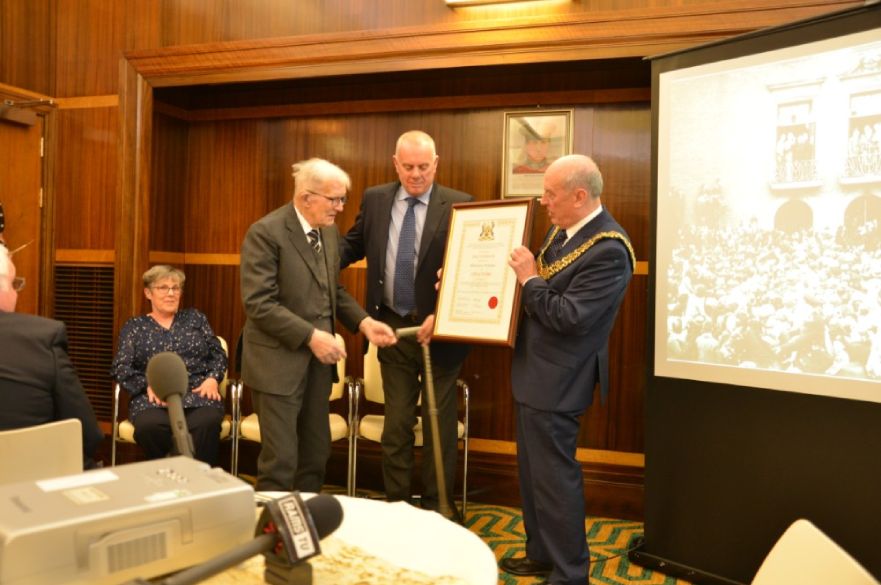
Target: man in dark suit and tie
point(402, 231)
point(38, 384)
point(292, 297)
point(571, 295)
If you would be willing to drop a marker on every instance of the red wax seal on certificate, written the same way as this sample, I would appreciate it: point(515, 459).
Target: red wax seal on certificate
point(493, 302)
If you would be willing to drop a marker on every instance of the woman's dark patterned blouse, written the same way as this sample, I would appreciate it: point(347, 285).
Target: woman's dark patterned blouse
point(190, 337)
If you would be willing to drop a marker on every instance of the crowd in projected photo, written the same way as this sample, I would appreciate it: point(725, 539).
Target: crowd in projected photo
point(807, 301)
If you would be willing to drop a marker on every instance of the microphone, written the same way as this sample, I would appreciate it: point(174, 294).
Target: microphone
point(167, 375)
point(287, 533)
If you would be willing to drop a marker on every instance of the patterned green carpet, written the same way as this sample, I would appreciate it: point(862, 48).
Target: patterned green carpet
point(502, 529)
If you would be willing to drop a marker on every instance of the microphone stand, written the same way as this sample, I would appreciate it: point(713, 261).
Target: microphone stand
point(443, 503)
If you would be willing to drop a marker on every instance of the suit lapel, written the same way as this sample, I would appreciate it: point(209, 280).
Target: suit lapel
point(437, 209)
point(586, 232)
point(384, 216)
point(298, 240)
point(330, 253)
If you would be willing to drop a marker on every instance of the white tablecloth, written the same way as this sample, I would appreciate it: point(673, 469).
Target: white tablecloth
point(399, 534)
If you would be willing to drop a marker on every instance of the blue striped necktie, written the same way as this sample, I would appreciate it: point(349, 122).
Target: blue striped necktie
point(404, 285)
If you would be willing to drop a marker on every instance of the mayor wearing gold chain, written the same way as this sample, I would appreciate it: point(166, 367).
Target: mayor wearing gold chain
point(571, 295)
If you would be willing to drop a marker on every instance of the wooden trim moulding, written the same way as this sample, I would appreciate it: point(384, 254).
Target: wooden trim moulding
point(513, 100)
point(182, 258)
point(584, 455)
point(91, 101)
point(594, 35)
point(71, 256)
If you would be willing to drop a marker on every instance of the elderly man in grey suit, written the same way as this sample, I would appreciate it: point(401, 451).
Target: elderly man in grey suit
point(290, 290)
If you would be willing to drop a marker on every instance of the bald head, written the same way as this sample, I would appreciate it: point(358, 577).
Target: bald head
point(572, 188)
point(415, 138)
point(415, 162)
point(577, 171)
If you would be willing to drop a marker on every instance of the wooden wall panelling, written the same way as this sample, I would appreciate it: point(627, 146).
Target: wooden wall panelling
point(134, 158)
point(622, 142)
point(628, 343)
point(85, 178)
point(90, 36)
point(170, 166)
point(229, 166)
point(214, 290)
point(26, 42)
point(487, 371)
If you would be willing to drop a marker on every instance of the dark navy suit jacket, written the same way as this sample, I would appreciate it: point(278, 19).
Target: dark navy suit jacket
point(368, 238)
point(562, 345)
point(38, 383)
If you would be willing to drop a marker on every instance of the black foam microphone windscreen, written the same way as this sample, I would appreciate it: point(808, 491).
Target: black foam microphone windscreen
point(167, 375)
point(327, 513)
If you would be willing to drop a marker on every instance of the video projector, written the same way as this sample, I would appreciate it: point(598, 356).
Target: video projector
point(112, 525)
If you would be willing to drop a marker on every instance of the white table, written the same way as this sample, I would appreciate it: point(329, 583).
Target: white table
point(397, 534)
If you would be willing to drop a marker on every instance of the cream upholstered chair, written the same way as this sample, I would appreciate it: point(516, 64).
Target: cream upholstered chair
point(41, 451)
point(369, 427)
point(805, 555)
point(249, 426)
point(124, 430)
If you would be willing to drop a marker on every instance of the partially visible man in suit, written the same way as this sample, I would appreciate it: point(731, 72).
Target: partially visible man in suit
point(402, 231)
point(292, 297)
point(38, 384)
point(571, 295)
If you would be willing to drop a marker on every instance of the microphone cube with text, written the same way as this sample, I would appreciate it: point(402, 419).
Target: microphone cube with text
point(288, 533)
point(298, 527)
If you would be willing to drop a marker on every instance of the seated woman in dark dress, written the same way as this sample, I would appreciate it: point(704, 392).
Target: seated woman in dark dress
point(187, 333)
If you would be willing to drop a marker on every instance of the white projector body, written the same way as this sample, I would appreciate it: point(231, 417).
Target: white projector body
point(112, 525)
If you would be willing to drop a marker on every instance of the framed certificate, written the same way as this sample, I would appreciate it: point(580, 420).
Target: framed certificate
point(479, 298)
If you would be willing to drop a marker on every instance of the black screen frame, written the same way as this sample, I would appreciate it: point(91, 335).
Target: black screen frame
point(729, 468)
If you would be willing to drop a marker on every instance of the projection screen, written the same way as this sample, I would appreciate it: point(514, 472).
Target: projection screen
point(769, 219)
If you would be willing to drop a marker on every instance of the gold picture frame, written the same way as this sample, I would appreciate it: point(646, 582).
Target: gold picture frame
point(479, 297)
point(533, 140)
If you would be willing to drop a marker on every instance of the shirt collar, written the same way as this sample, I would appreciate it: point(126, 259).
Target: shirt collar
point(573, 229)
point(307, 227)
point(402, 195)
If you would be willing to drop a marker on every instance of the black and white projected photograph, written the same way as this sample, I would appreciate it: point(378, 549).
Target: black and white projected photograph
point(769, 220)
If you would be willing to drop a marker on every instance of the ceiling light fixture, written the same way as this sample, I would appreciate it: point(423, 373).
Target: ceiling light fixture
point(459, 3)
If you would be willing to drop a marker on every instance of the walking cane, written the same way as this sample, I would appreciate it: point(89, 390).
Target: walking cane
point(443, 503)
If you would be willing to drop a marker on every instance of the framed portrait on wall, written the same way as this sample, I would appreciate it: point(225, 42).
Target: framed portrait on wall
point(533, 140)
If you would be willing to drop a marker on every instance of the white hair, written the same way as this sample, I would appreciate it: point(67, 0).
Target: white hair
point(313, 173)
